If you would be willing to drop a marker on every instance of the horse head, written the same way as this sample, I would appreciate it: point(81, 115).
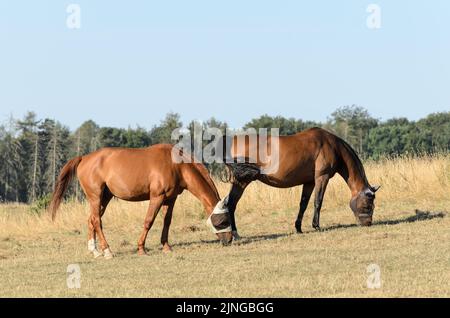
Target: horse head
point(362, 205)
point(219, 222)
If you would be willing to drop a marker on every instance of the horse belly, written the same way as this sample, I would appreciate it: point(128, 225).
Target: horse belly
point(284, 183)
point(129, 188)
point(286, 178)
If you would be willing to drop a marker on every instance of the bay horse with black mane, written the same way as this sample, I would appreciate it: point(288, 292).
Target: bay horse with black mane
point(309, 158)
point(139, 175)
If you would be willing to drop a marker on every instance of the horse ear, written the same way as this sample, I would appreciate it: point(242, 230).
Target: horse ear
point(375, 188)
point(225, 201)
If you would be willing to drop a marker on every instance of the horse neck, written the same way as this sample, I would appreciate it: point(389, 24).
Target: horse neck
point(352, 169)
point(201, 186)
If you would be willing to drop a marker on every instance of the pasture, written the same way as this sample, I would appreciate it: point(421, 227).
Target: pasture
point(409, 241)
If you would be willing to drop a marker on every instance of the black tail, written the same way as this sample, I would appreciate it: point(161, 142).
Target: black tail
point(239, 169)
point(243, 172)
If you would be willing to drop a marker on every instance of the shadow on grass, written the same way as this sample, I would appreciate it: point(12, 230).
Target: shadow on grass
point(418, 216)
point(242, 241)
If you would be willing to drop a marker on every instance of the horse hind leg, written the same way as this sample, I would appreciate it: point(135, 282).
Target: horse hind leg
point(106, 198)
point(98, 202)
point(306, 195)
point(92, 242)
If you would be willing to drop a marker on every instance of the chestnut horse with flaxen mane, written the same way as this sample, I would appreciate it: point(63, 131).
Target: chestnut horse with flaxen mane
point(309, 158)
point(139, 175)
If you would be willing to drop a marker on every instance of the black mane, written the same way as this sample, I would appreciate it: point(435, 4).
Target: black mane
point(355, 158)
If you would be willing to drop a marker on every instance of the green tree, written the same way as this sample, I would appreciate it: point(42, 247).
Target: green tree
point(436, 129)
point(163, 132)
point(110, 137)
point(11, 163)
point(54, 148)
point(286, 126)
point(137, 138)
point(353, 124)
point(29, 140)
point(390, 138)
point(85, 139)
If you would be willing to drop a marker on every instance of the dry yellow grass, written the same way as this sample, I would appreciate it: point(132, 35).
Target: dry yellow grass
point(412, 250)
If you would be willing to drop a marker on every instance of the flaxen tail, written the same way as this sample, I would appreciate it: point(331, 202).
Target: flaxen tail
point(63, 182)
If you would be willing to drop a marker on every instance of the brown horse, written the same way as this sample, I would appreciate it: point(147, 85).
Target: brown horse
point(139, 175)
point(310, 158)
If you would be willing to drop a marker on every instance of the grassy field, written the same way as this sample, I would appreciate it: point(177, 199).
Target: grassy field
point(409, 241)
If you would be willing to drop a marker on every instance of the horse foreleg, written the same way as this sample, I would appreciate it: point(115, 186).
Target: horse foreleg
point(167, 214)
point(234, 196)
point(321, 185)
point(306, 195)
point(152, 212)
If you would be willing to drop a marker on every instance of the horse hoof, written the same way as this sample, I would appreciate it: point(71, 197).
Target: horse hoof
point(167, 249)
point(96, 253)
point(107, 254)
point(317, 228)
point(236, 236)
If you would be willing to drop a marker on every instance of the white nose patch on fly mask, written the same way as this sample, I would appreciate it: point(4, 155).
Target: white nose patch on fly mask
point(220, 208)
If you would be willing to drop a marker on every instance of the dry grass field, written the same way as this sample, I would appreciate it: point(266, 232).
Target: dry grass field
point(409, 241)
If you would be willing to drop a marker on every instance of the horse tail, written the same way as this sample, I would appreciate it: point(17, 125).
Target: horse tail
point(243, 172)
point(237, 169)
point(64, 179)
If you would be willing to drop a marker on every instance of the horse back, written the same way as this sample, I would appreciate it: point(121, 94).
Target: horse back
point(130, 174)
point(300, 157)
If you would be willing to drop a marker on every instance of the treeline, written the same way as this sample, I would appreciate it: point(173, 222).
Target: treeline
point(32, 150)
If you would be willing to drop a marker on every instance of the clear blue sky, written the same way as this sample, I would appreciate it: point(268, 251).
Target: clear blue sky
point(133, 61)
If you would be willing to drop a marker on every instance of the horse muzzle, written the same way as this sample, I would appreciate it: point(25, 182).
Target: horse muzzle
point(365, 219)
point(226, 238)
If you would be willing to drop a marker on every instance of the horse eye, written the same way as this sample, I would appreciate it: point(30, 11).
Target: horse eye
point(370, 195)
